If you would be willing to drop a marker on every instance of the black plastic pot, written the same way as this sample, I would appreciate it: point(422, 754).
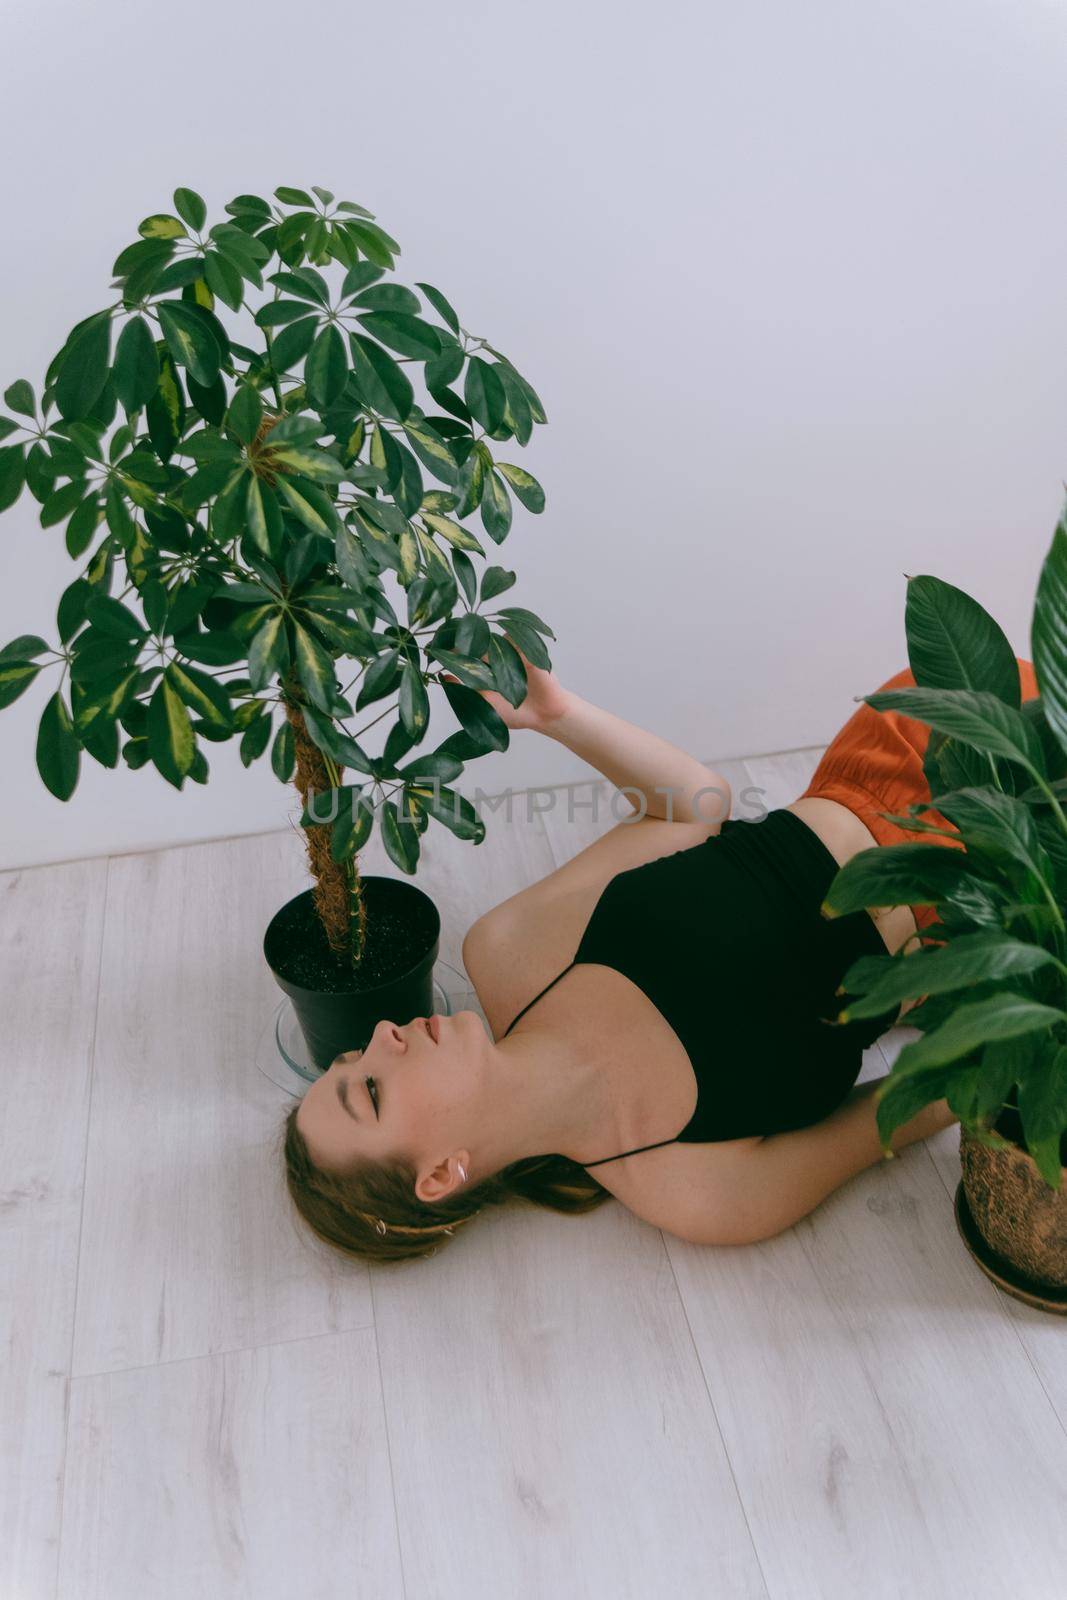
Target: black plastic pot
point(338, 1008)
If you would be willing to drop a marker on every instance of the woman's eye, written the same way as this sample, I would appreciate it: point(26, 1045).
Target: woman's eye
point(373, 1087)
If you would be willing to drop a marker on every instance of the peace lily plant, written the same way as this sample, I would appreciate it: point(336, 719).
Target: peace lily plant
point(236, 505)
point(994, 1020)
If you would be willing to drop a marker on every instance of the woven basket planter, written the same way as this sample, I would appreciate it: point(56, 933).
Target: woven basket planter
point(1021, 1221)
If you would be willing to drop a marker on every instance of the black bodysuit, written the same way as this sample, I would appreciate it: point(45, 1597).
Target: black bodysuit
point(727, 940)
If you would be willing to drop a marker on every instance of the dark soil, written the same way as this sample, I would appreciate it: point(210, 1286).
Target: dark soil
point(400, 930)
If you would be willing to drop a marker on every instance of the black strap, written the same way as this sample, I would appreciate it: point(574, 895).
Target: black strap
point(601, 1162)
point(535, 999)
point(636, 1152)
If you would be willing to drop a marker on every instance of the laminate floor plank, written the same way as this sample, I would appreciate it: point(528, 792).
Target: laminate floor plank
point(50, 927)
point(857, 1364)
point(550, 1429)
point(188, 1245)
point(251, 1475)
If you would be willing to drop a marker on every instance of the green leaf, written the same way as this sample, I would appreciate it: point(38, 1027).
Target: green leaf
point(389, 297)
point(104, 702)
point(494, 581)
point(471, 481)
point(309, 504)
point(1043, 1110)
point(319, 465)
point(352, 825)
point(508, 670)
point(401, 839)
point(372, 241)
point(432, 451)
point(1048, 633)
point(430, 764)
point(358, 277)
point(162, 226)
point(190, 207)
point(326, 369)
point(450, 808)
point(171, 740)
point(381, 381)
point(315, 668)
point(136, 369)
point(1000, 826)
point(532, 495)
point(452, 531)
point(953, 642)
point(84, 371)
point(974, 716)
point(255, 739)
point(24, 648)
point(215, 649)
point(15, 677)
point(999, 1016)
point(904, 1096)
point(484, 394)
point(190, 340)
point(407, 334)
point(12, 474)
point(224, 280)
point(268, 654)
point(265, 524)
point(111, 616)
point(518, 416)
point(165, 414)
point(62, 502)
point(245, 413)
point(466, 576)
point(380, 679)
point(496, 507)
point(293, 197)
point(58, 755)
point(909, 874)
point(969, 959)
point(414, 704)
point(440, 305)
point(477, 717)
point(525, 639)
point(83, 525)
point(293, 343)
point(205, 695)
point(19, 396)
point(283, 753)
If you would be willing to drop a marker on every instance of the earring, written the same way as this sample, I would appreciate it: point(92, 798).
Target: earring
point(462, 1171)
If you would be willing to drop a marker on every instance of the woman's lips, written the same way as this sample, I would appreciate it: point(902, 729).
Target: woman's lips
point(433, 1026)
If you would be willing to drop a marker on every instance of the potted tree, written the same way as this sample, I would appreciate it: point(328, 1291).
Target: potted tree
point(990, 975)
point(237, 508)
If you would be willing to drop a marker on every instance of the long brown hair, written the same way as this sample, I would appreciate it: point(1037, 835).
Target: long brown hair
point(372, 1212)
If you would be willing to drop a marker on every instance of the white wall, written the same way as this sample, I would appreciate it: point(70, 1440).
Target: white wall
point(790, 279)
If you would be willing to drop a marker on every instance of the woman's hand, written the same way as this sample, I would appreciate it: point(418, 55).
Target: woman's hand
point(544, 703)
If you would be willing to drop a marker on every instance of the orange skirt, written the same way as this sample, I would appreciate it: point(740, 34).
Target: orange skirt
point(875, 765)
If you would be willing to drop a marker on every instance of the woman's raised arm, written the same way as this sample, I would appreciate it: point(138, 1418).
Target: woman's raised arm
point(659, 779)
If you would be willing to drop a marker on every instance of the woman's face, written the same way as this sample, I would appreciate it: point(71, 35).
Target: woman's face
point(424, 1089)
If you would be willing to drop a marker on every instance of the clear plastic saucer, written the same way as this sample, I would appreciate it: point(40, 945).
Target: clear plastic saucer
point(283, 1057)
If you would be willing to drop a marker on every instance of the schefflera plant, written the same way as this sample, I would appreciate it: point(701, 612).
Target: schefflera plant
point(237, 508)
point(993, 967)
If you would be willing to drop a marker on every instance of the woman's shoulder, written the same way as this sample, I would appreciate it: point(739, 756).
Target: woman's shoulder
point(513, 950)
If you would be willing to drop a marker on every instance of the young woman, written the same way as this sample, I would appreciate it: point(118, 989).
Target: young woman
point(681, 1038)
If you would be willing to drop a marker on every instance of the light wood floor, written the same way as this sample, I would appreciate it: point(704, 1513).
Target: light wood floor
point(196, 1402)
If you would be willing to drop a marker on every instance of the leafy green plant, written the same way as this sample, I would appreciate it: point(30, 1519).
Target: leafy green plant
point(994, 1019)
point(249, 502)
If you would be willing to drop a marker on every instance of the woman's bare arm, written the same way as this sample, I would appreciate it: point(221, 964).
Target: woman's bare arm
point(660, 780)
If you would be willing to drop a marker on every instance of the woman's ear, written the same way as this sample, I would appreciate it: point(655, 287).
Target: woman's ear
point(445, 1178)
